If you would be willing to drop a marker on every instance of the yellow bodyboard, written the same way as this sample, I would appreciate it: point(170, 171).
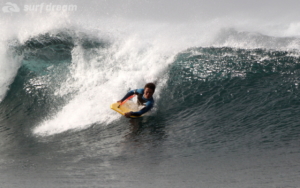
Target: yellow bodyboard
point(122, 109)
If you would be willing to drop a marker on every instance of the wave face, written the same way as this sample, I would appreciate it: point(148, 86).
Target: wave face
point(226, 106)
point(239, 96)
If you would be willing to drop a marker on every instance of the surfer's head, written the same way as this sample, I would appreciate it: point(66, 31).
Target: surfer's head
point(149, 90)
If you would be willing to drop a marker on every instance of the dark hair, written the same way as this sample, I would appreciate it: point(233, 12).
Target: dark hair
point(150, 86)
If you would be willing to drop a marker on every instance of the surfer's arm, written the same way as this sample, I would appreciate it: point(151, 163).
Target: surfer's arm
point(132, 92)
point(148, 107)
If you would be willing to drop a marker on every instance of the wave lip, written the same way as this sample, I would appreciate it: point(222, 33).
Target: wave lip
point(9, 63)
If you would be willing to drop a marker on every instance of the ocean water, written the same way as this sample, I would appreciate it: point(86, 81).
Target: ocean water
point(226, 111)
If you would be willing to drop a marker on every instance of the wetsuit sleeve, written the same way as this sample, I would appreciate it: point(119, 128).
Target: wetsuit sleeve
point(148, 107)
point(128, 95)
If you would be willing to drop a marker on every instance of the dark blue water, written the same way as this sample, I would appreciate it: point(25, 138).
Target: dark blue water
point(224, 117)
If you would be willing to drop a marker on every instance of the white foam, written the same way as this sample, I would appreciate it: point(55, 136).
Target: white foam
point(101, 77)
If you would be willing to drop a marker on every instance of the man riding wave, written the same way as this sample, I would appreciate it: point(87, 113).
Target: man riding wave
point(144, 97)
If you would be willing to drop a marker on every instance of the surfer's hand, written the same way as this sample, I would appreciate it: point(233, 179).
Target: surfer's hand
point(119, 101)
point(128, 114)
